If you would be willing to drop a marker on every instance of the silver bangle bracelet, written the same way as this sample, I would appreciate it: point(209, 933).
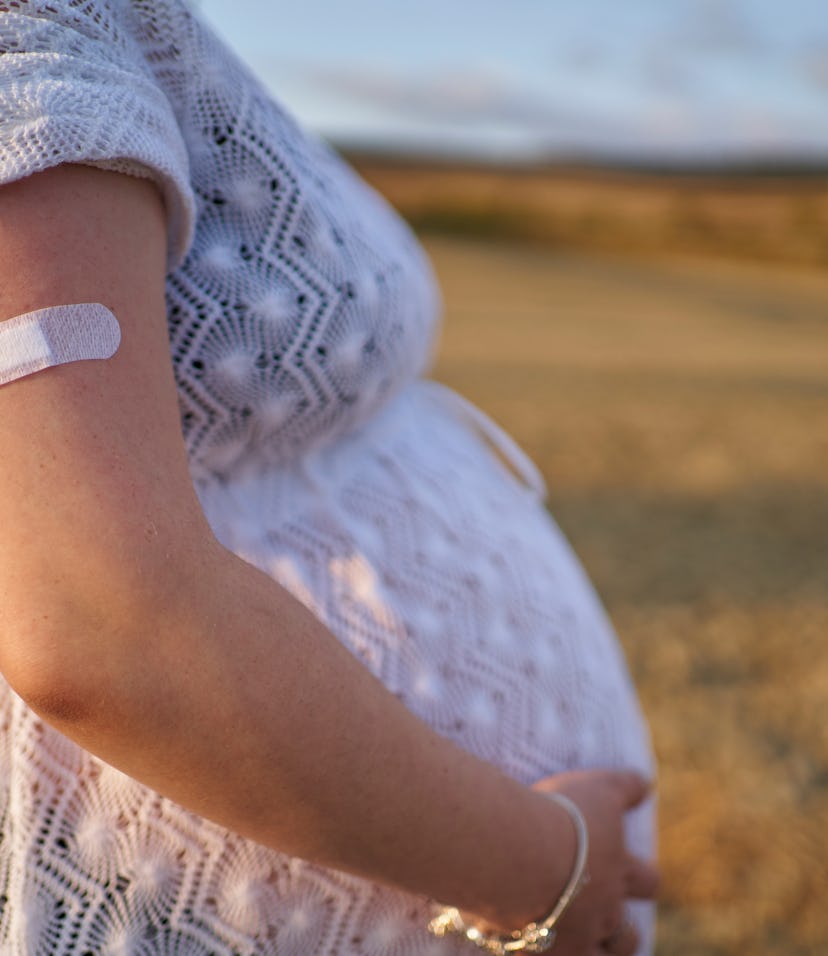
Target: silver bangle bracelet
point(537, 937)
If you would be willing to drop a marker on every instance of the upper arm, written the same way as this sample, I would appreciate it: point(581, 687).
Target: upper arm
point(95, 496)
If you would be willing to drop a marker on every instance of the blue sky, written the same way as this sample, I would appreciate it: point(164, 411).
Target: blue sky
point(521, 78)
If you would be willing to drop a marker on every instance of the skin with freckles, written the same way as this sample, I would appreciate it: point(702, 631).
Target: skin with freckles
point(127, 626)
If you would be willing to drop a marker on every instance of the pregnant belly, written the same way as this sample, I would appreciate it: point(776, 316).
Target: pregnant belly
point(441, 570)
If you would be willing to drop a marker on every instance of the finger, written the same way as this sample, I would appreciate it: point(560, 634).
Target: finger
point(633, 786)
point(623, 942)
point(641, 879)
point(611, 923)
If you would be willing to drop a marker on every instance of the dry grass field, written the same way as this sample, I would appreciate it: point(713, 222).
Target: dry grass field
point(768, 215)
point(679, 411)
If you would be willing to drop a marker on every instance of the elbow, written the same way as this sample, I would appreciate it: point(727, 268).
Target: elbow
point(74, 643)
point(58, 706)
point(47, 661)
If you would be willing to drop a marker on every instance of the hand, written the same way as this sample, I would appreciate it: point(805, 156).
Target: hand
point(594, 924)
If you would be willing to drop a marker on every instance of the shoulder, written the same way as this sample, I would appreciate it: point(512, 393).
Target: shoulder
point(93, 99)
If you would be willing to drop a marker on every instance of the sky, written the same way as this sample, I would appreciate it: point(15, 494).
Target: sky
point(524, 79)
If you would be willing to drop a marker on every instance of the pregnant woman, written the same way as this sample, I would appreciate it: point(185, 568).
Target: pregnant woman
point(280, 684)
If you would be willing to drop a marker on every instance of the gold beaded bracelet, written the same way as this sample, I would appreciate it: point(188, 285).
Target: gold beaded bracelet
point(537, 937)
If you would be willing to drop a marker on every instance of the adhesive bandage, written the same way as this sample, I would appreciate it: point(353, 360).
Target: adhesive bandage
point(54, 336)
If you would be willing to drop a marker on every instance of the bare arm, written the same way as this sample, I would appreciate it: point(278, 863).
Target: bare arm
point(130, 629)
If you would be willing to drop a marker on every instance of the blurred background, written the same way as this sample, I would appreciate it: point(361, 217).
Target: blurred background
point(627, 207)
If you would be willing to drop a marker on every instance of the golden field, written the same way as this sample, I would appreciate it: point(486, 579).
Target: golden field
point(678, 408)
point(765, 214)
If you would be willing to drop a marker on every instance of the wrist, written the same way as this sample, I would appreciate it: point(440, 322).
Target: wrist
point(533, 933)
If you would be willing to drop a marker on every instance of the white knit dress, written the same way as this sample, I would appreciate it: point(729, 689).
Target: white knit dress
point(301, 316)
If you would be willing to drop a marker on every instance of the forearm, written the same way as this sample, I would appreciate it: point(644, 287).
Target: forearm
point(229, 697)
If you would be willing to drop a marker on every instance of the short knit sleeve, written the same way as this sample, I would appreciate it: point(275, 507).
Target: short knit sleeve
point(74, 88)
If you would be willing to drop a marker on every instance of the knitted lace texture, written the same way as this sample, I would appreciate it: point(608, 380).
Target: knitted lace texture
point(301, 314)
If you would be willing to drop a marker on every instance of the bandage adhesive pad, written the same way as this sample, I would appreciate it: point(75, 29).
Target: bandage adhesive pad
point(54, 336)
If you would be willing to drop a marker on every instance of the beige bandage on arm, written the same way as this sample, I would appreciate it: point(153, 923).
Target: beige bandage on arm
point(54, 336)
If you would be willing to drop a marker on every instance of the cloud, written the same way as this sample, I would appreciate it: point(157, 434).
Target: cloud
point(814, 66)
point(472, 96)
point(653, 102)
point(717, 27)
point(709, 129)
point(663, 72)
point(481, 101)
point(586, 57)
